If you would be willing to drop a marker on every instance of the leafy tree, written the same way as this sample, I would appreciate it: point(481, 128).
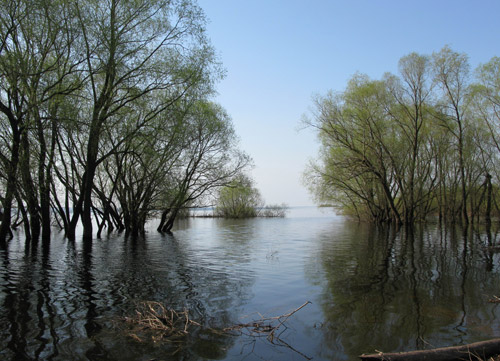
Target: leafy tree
point(359, 149)
point(208, 161)
point(143, 48)
point(36, 68)
point(105, 112)
point(404, 147)
point(451, 75)
point(239, 199)
point(411, 114)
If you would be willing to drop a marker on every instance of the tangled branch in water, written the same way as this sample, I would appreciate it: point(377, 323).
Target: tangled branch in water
point(267, 326)
point(166, 323)
point(495, 299)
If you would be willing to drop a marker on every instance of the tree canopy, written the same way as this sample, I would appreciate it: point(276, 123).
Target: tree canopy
point(412, 145)
point(241, 199)
point(106, 115)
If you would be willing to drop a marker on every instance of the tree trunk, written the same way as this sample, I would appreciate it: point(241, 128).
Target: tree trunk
point(465, 216)
point(479, 350)
point(25, 217)
point(45, 176)
point(88, 179)
point(29, 187)
point(163, 220)
point(11, 185)
point(170, 222)
point(77, 210)
point(87, 200)
point(489, 190)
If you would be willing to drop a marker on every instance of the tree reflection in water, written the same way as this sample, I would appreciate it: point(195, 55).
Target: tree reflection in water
point(371, 288)
point(65, 301)
point(395, 290)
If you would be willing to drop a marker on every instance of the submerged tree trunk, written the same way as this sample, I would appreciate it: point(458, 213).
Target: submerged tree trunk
point(479, 350)
point(88, 185)
point(11, 190)
point(29, 188)
point(489, 190)
point(167, 220)
point(163, 220)
point(170, 222)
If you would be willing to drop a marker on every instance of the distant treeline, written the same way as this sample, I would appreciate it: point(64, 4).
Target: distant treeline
point(105, 115)
point(421, 143)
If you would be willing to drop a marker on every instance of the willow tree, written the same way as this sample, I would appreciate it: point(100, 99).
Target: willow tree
point(136, 176)
point(37, 67)
point(134, 49)
point(411, 144)
point(359, 149)
point(451, 74)
point(409, 109)
point(486, 103)
point(209, 160)
point(90, 117)
point(239, 199)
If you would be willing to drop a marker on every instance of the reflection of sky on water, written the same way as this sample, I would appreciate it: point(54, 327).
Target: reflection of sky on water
point(370, 288)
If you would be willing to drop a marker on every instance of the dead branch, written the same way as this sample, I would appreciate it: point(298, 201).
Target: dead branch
point(495, 299)
point(480, 350)
point(162, 323)
point(154, 316)
point(264, 326)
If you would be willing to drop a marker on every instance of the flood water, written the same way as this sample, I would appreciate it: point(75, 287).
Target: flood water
point(370, 288)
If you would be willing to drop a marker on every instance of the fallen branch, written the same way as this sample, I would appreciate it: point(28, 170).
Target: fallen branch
point(267, 326)
point(474, 351)
point(167, 323)
point(495, 299)
point(170, 324)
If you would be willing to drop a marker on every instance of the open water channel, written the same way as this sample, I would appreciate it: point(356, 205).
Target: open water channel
point(370, 289)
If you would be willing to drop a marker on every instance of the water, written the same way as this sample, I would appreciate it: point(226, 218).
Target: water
point(370, 289)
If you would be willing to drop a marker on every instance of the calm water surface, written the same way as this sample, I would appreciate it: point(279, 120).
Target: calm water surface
point(370, 289)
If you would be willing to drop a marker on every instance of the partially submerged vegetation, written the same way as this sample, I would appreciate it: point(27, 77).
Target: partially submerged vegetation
point(478, 351)
point(162, 322)
point(241, 199)
point(423, 143)
point(158, 322)
point(106, 115)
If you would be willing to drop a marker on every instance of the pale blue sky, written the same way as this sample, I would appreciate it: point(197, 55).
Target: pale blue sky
point(278, 53)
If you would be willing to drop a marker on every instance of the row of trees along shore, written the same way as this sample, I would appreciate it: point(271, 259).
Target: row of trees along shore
point(105, 115)
point(424, 143)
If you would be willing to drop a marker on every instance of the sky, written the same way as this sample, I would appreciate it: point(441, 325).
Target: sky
point(278, 54)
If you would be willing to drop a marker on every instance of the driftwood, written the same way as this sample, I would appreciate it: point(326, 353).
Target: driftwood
point(474, 351)
point(165, 323)
point(158, 322)
point(267, 326)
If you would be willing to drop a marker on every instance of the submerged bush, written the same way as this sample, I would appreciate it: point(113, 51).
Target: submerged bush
point(273, 210)
point(240, 199)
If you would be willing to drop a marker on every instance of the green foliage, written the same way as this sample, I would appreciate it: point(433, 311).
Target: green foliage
point(408, 146)
point(105, 112)
point(239, 199)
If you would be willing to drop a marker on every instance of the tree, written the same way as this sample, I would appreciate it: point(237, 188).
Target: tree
point(36, 65)
point(360, 145)
point(486, 103)
point(451, 75)
point(87, 91)
point(385, 145)
point(105, 111)
point(209, 160)
point(409, 110)
point(143, 48)
point(239, 199)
